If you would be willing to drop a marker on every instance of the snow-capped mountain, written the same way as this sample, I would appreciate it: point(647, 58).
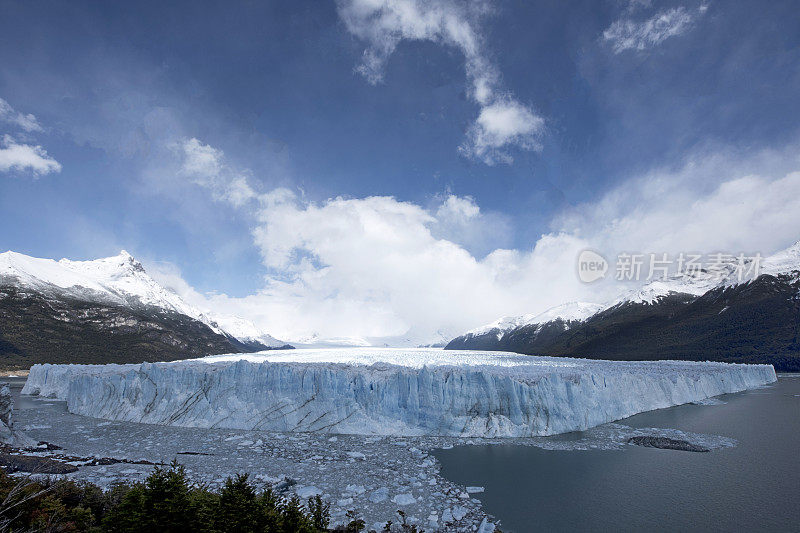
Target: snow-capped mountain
point(120, 280)
point(566, 313)
point(695, 284)
point(743, 316)
point(726, 274)
point(785, 262)
point(244, 331)
point(540, 329)
point(108, 294)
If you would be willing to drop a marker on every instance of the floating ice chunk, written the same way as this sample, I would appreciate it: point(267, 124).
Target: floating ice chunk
point(266, 478)
point(486, 526)
point(404, 499)
point(709, 401)
point(307, 491)
point(447, 516)
point(355, 489)
point(459, 512)
point(379, 495)
point(474, 490)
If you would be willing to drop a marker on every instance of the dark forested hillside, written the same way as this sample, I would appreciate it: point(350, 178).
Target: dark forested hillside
point(38, 329)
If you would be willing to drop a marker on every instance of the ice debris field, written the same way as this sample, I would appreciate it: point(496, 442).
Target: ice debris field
point(399, 392)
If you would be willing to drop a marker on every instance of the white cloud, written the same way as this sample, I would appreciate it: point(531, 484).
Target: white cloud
point(458, 210)
point(629, 34)
point(206, 166)
point(26, 122)
point(201, 160)
point(384, 269)
point(500, 124)
point(460, 220)
point(384, 24)
point(373, 268)
point(25, 157)
point(751, 205)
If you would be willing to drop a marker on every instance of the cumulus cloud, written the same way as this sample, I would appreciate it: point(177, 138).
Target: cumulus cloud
point(500, 124)
point(25, 157)
point(503, 122)
point(27, 122)
point(629, 34)
point(382, 269)
point(373, 268)
point(459, 219)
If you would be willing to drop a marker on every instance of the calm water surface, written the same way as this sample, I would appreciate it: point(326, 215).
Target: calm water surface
point(753, 486)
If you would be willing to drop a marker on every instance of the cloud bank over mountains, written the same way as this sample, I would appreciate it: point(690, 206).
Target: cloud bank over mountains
point(378, 267)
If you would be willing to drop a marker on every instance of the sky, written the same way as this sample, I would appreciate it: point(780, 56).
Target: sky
point(396, 169)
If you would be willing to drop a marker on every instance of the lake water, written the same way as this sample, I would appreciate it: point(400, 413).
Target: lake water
point(752, 486)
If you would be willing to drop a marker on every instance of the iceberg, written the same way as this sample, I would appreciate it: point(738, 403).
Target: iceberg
point(399, 392)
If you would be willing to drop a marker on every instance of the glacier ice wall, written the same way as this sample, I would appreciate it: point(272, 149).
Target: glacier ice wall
point(525, 396)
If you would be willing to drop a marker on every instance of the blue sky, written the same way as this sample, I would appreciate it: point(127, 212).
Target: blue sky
point(511, 126)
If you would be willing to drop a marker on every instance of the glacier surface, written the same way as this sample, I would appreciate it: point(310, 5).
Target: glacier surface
point(388, 391)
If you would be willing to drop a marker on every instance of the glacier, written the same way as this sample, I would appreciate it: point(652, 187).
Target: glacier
point(388, 391)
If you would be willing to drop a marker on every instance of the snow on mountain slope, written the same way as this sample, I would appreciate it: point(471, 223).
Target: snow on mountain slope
point(244, 330)
point(726, 274)
point(693, 283)
point(388, 392)
point(120, 280)
point(568, 312)
point(784, 262)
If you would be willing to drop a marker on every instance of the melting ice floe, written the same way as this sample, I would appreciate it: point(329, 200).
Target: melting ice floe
point(388, 391)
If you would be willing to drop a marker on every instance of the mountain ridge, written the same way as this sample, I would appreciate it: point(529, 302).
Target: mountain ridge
point(756, 319)
point(106, 310)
